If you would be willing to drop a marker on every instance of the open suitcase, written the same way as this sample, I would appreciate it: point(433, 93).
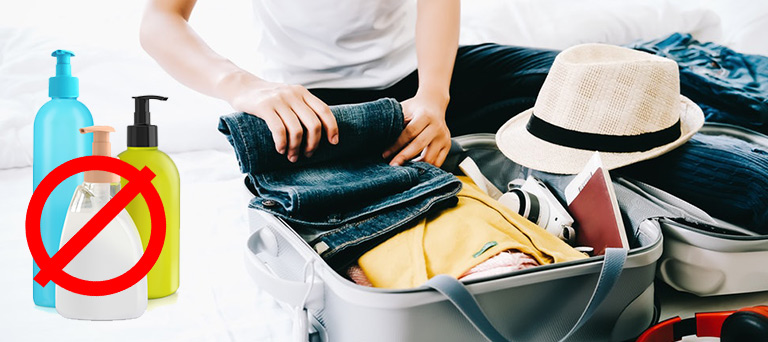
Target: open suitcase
point(540, 304)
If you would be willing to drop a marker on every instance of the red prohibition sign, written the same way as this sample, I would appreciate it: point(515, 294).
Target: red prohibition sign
point(52, 268)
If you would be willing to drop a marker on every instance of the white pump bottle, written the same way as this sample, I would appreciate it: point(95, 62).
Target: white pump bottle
point(111, 253)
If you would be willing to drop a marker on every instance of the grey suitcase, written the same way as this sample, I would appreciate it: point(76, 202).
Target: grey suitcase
point(539, 304)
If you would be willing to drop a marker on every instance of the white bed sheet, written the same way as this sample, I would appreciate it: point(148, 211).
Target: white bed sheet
point(216, 300)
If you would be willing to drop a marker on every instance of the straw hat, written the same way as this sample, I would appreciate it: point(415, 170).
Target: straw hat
point(621, 102)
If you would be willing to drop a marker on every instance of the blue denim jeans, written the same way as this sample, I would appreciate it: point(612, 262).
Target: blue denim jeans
point(364, 130)
point(345, 198)
point(732, 87)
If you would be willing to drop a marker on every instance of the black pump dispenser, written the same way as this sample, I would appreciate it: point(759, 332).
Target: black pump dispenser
point(142, 133)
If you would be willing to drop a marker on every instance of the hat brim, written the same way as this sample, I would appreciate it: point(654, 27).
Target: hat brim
point(514, 140)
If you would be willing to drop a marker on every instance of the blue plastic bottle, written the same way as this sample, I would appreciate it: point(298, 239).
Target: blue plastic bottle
point(58, 140)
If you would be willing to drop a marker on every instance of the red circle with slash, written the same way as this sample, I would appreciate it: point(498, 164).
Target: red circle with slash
point(52, 268)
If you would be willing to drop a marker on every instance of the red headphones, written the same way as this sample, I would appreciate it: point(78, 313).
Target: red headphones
point(748, 324)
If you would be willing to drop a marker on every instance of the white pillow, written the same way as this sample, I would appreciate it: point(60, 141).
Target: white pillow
point(558, 24)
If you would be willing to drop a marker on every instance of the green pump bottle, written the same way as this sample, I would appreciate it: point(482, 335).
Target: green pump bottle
point(163, 278)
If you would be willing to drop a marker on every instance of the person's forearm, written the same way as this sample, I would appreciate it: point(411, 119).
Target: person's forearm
point(437, 39)
point(295, 117)
point(168, 38)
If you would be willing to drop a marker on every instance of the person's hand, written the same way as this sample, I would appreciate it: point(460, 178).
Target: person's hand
point(425, 132)
point(291, 112)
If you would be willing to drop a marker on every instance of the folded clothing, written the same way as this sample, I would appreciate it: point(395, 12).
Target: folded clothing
point(502, 263)
point(456, 239)
point(356, 274)
point(365, 129)
point(345, 198)
point(317, 194)
point(347, 226)
point(722, 175)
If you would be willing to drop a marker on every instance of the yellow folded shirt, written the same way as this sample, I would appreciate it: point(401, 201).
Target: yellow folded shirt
point(456, 239)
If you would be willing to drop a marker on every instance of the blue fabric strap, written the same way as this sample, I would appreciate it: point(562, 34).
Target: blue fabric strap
point(468, 306)
point(609, 275)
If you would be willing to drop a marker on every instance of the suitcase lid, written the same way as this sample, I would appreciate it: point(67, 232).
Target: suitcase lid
point(712, 260)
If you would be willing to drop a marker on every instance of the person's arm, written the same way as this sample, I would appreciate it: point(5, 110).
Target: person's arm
point(289, 110)
point(437, 39)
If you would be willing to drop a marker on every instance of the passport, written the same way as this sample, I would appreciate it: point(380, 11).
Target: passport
point(596, 211)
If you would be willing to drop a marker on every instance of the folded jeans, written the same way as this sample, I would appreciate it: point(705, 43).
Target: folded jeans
point(365, 129)
point(346, 197)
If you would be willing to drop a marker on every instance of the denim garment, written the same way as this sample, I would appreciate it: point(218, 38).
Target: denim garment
point(733, 87)
point(341, 235)
point(364, 129)
point(349, 198)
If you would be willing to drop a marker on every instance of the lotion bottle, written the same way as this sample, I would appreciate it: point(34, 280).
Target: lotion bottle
point(163, 278)
point(115, 250)
point(56, 141)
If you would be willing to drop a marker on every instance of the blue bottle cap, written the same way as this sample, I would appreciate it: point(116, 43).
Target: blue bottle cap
point(63, 84)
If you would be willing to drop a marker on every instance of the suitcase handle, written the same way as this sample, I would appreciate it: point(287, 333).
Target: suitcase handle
point(458, 294)
point(293, 293)
point(289, 292)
